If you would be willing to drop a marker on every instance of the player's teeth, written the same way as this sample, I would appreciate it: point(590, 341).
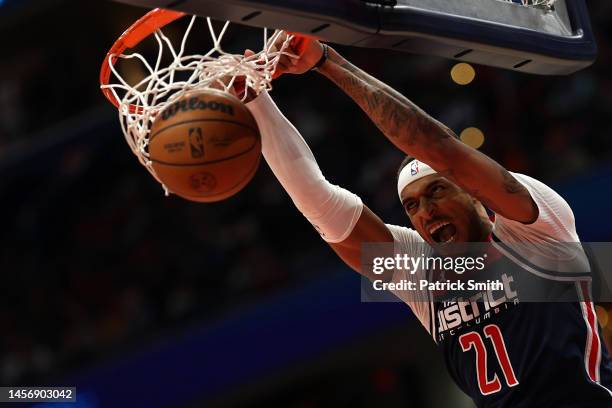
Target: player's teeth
point(451, 239)
point(437, 227)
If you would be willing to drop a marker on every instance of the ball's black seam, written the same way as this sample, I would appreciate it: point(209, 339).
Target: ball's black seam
point(206, 162)
point(203, 120)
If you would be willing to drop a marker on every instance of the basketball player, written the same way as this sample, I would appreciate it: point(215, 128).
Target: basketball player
point(508, 354)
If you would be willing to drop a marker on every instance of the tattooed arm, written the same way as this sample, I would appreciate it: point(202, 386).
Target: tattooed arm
point(419, 135)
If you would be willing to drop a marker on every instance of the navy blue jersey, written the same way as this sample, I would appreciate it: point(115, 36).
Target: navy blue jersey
point(504, 352)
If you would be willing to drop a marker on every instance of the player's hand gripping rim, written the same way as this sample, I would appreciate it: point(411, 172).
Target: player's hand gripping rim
point(303, 54)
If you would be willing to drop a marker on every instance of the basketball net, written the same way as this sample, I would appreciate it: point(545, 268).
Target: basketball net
point(546, 4)
point(139, 104)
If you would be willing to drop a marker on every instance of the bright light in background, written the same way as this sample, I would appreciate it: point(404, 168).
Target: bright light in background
point(472, 137)
point(602, 315)
point(463, 73)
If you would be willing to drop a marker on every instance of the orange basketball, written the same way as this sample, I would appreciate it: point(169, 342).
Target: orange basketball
point(205, 146)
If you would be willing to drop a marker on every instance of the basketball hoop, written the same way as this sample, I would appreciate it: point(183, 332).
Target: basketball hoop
point(138, 104)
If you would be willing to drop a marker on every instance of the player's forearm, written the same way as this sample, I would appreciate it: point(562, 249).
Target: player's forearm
point(406, 125)
point(419, 135)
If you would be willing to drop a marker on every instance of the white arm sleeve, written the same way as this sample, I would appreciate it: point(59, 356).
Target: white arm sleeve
point(408, 242)
point(332, 210)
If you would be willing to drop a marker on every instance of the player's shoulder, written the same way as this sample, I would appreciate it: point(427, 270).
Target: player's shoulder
point(551, 242)
point(408, 241)
point(541, 192)
point(404, 234)
point(555, 217)
point(535, 185)
point(549, 201)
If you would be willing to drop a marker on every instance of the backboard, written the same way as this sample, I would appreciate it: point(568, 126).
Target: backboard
point(544, 40)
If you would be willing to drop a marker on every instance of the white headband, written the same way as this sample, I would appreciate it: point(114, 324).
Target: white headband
point(412, 172)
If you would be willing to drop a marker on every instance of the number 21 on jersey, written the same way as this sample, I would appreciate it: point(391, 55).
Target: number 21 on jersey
point(474, 340)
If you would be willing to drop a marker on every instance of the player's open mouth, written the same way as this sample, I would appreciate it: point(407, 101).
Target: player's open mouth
point(442, 232)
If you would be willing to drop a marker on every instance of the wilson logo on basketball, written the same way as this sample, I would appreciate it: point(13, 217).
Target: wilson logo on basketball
point(196, 142)
point(193, 104)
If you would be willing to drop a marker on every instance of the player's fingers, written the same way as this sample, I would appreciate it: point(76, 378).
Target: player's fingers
point(300, 43)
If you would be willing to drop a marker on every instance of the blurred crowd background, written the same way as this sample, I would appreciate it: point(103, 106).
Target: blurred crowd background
point(97, 263)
